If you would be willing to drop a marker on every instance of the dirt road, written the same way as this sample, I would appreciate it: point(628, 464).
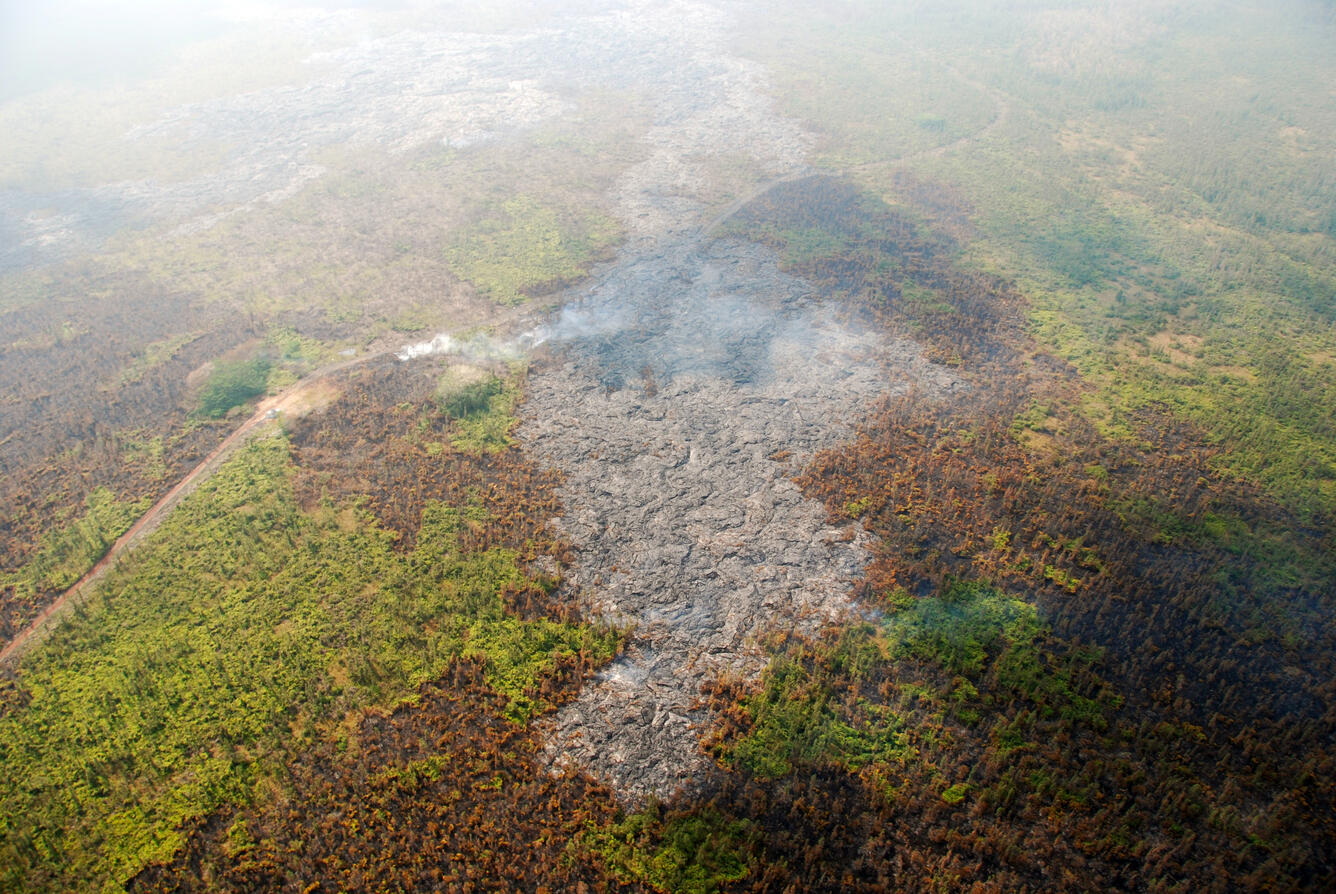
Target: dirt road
point(267, 412)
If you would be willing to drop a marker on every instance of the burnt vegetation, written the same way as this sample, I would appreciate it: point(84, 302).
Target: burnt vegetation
point(106, 378)
point(448, 791)
point(443, 794)
point(386, 441)
point(1089, 664)
point(1190, 614)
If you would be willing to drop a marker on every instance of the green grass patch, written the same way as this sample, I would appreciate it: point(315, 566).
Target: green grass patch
point(983, 635)
point(232, 384)
point(293, 347)
point(809, 244)
point(922, 303)
point(482, 410)
point(956, 793)
point(961, 628)
point(525, 247)
point(798, 718)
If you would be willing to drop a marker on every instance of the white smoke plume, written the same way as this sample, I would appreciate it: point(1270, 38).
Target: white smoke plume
point(478, 348)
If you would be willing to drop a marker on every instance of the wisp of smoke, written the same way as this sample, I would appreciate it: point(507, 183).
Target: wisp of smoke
point(579, 321)
point(478, 348)
point(573, 322)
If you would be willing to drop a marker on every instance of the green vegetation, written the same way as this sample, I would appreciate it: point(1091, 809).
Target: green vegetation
point(523, 247)
point(68, 551)
point(242, 632)
point(138, 447)
point(808, 244)
point(470, 399)
point(799, 718)
point(1145, 191)
point(483, 411)
point(956, 793)
point(684, 853)
point(232, 384)
point(810, 708)
point(972, 628)
point(962, 627)
point(292, 347)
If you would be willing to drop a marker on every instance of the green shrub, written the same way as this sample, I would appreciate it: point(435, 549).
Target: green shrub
point(232, 384)
point(472, 399)
point(687, 854)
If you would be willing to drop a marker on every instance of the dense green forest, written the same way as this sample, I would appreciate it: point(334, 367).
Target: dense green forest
point(1093, 647)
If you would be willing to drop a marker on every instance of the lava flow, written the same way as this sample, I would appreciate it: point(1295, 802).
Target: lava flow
point(681, 391)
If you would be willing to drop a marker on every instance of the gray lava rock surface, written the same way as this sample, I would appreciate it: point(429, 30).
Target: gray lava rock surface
point(428, 84)
point(669, 385)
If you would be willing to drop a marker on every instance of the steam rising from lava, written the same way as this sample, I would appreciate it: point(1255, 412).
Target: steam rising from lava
point(678, 391)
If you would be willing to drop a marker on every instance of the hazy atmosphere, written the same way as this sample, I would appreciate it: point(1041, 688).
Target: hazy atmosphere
point(668, 446)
